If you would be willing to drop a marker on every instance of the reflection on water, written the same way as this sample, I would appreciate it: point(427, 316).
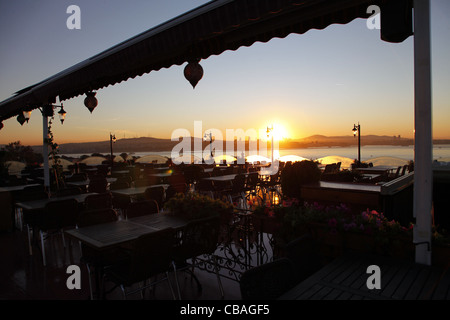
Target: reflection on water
point(440, 152)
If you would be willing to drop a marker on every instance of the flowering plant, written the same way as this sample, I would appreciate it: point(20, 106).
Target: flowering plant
point(195, 206)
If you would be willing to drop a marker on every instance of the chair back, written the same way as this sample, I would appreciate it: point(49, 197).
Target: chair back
point(251, 181)
point(151, 255)
point(119, 185)
point(59, 214)
point(155, 193)
point(238, 183)
point(31, 193)
point(140, 208)
point(68, 191)
point(93, 217)
point(97, 184)
point(98, 201)
point(199, 237)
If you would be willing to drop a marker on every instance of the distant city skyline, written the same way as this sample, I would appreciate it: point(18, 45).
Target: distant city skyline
point(321, 82)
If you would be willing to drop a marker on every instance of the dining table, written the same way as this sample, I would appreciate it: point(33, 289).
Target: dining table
point(226, 177)
point(117, 233)
point(41, 203)
point(85, 183)
point(137, 191)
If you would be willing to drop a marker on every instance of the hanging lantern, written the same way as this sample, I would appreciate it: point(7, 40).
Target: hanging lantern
point(62, 114)
point(90, 101)
point(21, 119)
point(27, 115)
point(193, 72)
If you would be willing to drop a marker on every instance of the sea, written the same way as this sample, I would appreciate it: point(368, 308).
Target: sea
point(441, 153)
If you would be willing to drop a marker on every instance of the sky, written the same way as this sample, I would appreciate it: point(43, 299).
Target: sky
point(321, 82)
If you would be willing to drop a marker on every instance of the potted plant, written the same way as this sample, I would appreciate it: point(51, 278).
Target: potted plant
point(196, 206)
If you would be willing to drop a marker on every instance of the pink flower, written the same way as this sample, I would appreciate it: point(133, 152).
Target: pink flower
point(332, 223)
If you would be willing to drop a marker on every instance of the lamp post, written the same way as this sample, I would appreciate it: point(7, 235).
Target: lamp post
point(269, 131)
point(112, 138)
point(210, 142)
point(357, 129)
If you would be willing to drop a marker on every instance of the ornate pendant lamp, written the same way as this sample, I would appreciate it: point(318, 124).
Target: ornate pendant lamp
point(90, 101)
point(62, 114)
point(21, 119)
point(193, 72)
point(27, 115)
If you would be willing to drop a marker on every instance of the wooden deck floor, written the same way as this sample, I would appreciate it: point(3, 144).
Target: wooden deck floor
point(346, 279)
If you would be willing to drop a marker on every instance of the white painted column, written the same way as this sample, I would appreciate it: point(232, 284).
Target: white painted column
point(423, 152)
point(45, 151)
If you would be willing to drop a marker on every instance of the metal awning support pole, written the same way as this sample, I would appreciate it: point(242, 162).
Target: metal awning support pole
point(423, 151)
point(45, 150)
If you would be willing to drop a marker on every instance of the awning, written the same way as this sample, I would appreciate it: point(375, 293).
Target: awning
point(207, 30)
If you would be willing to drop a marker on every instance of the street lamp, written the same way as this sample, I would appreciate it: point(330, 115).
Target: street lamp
point(210, 142)
point(357, 129)
point(270, 130)
point(112, 138)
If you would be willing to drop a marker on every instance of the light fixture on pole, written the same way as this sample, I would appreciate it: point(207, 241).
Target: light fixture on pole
point(270, 132)
point(357, 130)
point(112, 138)
point(210, 142)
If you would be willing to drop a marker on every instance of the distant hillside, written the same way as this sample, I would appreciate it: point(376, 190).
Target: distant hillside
point(146, 144)
point(343, 141)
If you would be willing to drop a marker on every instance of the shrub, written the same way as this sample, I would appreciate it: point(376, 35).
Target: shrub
point(297, 174)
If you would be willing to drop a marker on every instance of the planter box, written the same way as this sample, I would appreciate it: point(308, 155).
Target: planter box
point(440, 255)
point(266, 224)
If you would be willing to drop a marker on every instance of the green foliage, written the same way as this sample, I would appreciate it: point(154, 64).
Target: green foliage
point(55, 157)
point(15, 151)
point(196, 206)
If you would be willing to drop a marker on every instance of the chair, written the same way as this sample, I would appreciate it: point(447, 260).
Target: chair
point(155, 193)
point(95, 259)
point(149, 256)
point(206, 187)
point(97, 184)
point(57, 216)
point(198, 241)
point(98, 201)
point(77, 177)
point(140, 208)
point(237, 191)
point(268, 281)
point(119, 185)
point(28, 193)
point(68, 191)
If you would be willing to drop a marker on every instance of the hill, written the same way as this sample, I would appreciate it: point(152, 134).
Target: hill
point(148, 144)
